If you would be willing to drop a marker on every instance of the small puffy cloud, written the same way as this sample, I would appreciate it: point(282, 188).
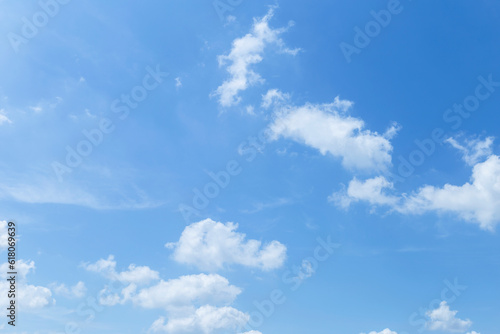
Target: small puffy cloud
point(473, 150)
point(188, 290)
point(252, 332)
point(206, 319)
point(247, 51)
point(134, 274)
point(370, 190)
point(329, 129)
point(473, 332)
point(76, 291)
point(443, 319)
point(4, 118)
point(385, 331)
point(211, 245)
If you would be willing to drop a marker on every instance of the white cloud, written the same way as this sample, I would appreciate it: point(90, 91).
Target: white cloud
point(188, 290)
point(443, 319)
point(252, 332)
point(23, 268)
point(473, 332)
point(370, 190)
point(477, 201)
point(76, 291)
point(273, 96)
point(473, 150)
point(134, 274)
point(206, 319)
point(385, 331)
point(211, 245)
point(329, 129)
point(4, 118)
point(29, 296)
point(247, 51)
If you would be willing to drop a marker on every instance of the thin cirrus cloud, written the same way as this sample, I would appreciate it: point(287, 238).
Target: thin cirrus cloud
point(245, 52)
point(331, 130)
point(444, 319)
point(211, 245)
point(476, 201)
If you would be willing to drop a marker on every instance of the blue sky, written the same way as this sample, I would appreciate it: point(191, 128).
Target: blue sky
point(251, 167)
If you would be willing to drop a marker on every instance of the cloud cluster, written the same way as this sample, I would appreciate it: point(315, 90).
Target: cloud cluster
point(199, 303)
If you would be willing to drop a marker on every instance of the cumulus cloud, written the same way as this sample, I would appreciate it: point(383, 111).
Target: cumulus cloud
point(385, 331)
point(443, 319)
point(134, 274)
point(28, 296)
point(206, 319)
point(211, 245)
point(188, 290)
point(473, 150)
point(370, 190)
point(476, 201)
point(245, 52)
point(329, 129)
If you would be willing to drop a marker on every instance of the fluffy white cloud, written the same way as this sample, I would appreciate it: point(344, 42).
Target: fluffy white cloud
point(23, 268)
point(477, 201)
point(134, 274)
point(443, 319)
point(473, 150)
point(206, 319)
point(188, 290)
point(473, 332)
point(211, 245)
point(252, 332)
point(76, 291)
point(329, 129)
point(28, 296)
point(370, 190)
point(385, 331)
point(247, 51)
